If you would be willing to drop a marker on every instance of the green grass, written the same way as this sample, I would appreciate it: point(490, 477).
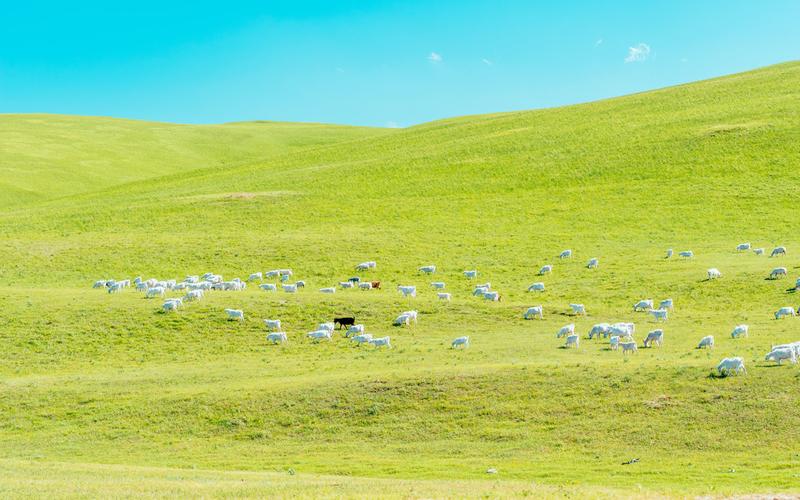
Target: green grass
point(97, 389)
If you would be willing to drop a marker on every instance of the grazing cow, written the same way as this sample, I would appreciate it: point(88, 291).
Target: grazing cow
point(479, 291)
point(289, 288)
point(411, 314)
point(193, 295)
point(272, 274)
point(100, 284)
point(156, 291)
point(566, 254)
point(623, 330)
point(759, 251)
point(115, 288)
point(365, 286)
point(141, 287)
point(376, 284)
point(536, 287)
point(659, 314)
point(330, 289)
point(545, 269)
point(438, 285)
point(707, 341)
point(284, 278)
point(346, 284)
point(566, 330)
point(471, 274)
point(628, 347)
point(428, 269)
point(714, 273)
point(655, 337)
point(778, 251)
point(460, 341)
point(578, 309)
point(236, 314)
point(534, 312)
point(784, 311)
point(273, 325)
point(643, 305)
point(493, 296)
point(407, 291)
point(268, 287)
point(778, 272)
point(669, 254)
point(401, 320)
point(326, 326)
point(740, 331)
point(354, 329)
point(666, 304)
point(731, 365)
point(593, 263)
point(383, 341)
point(285, 272)
point(686, 254)
point(742, 246)
point(443, 296)
point(572, 341)
point(354, 279)
point(318, 335)
point(255, 276)
point(363, 266)
point(598, 329)
point(170, 306)
point(276, 337)
point(794, 346)
point(613, 342)
point(362, 339)
point(346, 321)
point(778, 355)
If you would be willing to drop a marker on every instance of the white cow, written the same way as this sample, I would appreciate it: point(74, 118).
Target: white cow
point(669, 254)
point(193, 295)
point(354, 329)
point(778, 272)
point(346, 284)
point(536, 287)
point(115, 288)
point(383, 341)
point(666, 304)
point(784, 311)
point(428, 269)
point(545, 269)
point(411, 314)
point(794, 346)
point(276, 337)
point(362, 339)
point(318, 335)
point(363, 266)
point(460, 341)
point(330, 289)
point(365, 285)
point(628, 347)
point(402, 320)
point(443, 296)
point(613, 343)
point(778, 251)
point(471, 274)
point(624, 330)
point(742, 246)
point(156, 291)
point(593, 263)
point(643, 305)
point(236, 314)
point(566, 254)
point(438, 285)
point(170, 306)
point(655, 337)
point(707, 341)
point(256, 276)
point(268, 287)
point(759, 251)
point(686, 254)
point(479, 291)
point(407, 291)
point(534, 312)
point(578, 309)
point(493, 296)
point(572, 341)
point(731, 365)
point(100, 284)
point(659, 314)
point(326, 326)
point(141, 287)
point(598, 329)
point(289, 288)
point(566, 330)
point(714, 273)
point(740, 331)
point(273, 325)
point(778, 355)
point(272, 274)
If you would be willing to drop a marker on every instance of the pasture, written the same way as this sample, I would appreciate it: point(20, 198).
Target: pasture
point(98, 386)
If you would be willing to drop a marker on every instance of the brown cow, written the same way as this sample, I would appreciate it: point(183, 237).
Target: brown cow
point(376, 284)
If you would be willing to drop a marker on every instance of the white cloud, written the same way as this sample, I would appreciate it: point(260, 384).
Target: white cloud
point(598, 42)
point(638, 53)
point(435, 58)
point(487, 62)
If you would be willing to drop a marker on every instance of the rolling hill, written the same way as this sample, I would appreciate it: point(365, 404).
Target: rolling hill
point(100, 388)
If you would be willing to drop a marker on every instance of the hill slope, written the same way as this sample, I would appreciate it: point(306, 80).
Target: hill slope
point(46, 156)
point(92, 377)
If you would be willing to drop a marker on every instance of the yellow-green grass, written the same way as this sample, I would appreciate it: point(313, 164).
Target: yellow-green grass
point(92, 378)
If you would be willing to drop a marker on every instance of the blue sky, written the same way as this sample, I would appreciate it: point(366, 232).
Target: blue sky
point(381, 63)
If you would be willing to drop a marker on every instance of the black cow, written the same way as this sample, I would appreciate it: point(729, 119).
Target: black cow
point(344, 322)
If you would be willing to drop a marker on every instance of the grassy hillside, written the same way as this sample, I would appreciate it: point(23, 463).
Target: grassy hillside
point(92, 378)
point(46, 156)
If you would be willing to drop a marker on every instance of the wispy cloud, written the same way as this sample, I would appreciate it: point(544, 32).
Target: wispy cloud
point(599, 42)
point(639, 53)
point(435, 57)
point(487, 62)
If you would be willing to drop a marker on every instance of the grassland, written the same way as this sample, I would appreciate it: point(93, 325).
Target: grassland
point(97, 389)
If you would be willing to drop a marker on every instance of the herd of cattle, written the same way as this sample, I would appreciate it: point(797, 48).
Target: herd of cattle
point(620, 335)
